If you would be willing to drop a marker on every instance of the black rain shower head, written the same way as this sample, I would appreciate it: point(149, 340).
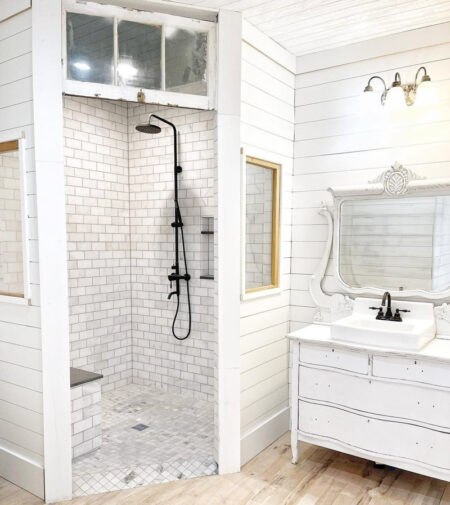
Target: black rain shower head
point(148, 128)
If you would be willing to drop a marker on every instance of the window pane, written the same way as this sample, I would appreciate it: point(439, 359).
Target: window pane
point(11, 253)
point(90, 48)
point(258, 226)
point(186, 58)
point(139, 55)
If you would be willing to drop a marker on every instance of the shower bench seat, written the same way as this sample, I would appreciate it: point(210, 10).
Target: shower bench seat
point(86, 411)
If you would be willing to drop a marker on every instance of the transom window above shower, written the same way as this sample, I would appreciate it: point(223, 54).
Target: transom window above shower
point(117, 53)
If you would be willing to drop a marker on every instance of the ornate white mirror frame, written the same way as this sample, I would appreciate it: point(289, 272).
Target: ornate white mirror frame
point(397, 182)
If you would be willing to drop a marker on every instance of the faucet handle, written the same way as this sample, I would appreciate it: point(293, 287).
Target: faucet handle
point(397, 317)
point(380, 314)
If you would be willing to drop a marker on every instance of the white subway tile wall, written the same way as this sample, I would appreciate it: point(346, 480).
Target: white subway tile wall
point(258, 226)
point(98, 228)
point(159, 359)
point(86, 418)
point(11, 257)
point(121, 247)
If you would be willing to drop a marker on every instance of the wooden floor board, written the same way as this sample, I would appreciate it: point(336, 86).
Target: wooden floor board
point(322, 477)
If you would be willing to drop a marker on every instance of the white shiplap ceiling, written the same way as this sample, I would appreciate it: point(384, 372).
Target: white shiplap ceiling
point(308, 26)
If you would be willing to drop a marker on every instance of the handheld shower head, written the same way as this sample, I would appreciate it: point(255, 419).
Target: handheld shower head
point(148, 127)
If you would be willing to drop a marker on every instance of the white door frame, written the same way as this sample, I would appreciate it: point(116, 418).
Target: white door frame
point(228, 417)
point(51, 214)
point(48, 126)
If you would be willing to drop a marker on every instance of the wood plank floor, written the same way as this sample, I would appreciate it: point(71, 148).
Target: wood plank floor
point(322, 477)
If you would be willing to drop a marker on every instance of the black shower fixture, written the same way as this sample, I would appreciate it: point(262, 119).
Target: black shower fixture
point(175, 276)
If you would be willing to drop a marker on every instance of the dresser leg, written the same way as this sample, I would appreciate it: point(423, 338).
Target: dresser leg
point(294, 448)
point(294, 400)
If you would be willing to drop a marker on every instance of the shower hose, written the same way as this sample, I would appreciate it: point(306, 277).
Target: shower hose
point(187, 285)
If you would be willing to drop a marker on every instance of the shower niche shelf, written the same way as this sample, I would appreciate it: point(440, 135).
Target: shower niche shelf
point(207, 248)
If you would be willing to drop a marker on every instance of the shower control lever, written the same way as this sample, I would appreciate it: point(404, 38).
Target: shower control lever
point(178, 277)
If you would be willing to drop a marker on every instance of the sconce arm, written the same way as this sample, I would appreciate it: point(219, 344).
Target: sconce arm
point(369, 87)
point(424, 78)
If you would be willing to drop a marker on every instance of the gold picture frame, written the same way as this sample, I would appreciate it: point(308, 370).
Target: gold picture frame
point(275, 245)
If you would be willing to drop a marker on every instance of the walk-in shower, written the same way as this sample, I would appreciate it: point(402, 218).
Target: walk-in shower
point(175, 276)
point(150, 419)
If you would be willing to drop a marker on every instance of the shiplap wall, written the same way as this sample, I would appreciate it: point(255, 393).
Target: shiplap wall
point(267, 126)
point(337, 144)
point(21, 421)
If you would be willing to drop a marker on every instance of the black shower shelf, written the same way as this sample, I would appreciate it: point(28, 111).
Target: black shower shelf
point(209, 277)
point(207, 232)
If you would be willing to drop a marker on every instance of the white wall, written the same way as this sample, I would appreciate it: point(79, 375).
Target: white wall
point(21, 403)
point(267, 128)
point(336, 144)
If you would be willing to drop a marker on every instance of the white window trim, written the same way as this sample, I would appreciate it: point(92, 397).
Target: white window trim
point(129, 93)
point(19, 135)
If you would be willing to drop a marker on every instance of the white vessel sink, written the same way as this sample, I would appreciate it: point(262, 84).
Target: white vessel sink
point(417, 328)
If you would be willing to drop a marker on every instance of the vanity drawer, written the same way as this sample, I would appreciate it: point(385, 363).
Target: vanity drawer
point(401, 401)
point(392, 439)
point(410, 369)
point(342, 359)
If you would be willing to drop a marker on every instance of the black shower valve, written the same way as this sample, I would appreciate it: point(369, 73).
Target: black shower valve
point(179, 169)
point(179, 277)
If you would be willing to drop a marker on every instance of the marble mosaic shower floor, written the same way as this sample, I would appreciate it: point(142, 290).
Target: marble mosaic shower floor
point(175, 441)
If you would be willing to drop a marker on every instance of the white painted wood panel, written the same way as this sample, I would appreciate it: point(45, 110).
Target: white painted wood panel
point(377, 436)
point(312, 26)
point(21, 396)
point(21, 420)
point(425, 372)
point(267, 131)
point(342, 359)
point(21, 376)
point(398, 401)
point(9, 9)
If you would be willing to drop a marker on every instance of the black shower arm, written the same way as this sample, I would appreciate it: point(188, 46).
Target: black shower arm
point(175, 149)
point(163, 120)
point(174, 133)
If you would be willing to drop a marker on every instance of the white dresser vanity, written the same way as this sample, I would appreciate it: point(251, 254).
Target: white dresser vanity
point(369, 380)
point(387, 406)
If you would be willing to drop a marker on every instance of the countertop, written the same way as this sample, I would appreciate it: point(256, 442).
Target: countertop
point(437, 349)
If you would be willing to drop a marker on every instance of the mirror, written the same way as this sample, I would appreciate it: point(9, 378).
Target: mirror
point(395, 244)
point(261, 224)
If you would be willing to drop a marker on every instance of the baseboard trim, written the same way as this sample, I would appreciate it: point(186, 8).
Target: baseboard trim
point(24, 473)
point(258, 438)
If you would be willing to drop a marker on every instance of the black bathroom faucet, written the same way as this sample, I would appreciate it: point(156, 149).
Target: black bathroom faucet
point(388, 316)
point(387, 296)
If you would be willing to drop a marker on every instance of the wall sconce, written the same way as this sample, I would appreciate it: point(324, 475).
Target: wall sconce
point(400, 95)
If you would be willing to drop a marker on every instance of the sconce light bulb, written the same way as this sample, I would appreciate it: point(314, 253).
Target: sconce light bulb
point(395, 101)
point(426, 95)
